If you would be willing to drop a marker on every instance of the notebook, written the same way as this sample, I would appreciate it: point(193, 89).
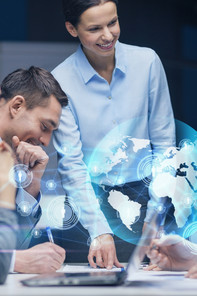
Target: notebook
point(100, 278)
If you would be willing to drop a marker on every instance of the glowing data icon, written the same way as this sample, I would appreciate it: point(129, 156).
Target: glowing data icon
point(21, 176)
point(51, 185)
point(37, 233)
point(24, 208)
point(62, 214)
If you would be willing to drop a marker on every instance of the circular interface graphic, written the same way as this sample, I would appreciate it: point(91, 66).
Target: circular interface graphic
point(21, 176)
point(62, 213)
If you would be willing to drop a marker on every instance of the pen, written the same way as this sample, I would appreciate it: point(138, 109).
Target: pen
point(49, 233)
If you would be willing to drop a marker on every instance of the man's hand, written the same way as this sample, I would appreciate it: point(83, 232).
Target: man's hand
point(103, 249)
point(35, 158)
point(155, 234)
point(172, 253)
point(42, 258)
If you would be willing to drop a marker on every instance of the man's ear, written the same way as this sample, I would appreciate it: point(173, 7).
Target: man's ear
point(16, 104)
point(71, 29)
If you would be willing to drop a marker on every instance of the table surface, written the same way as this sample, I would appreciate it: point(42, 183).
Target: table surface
point(145, 283)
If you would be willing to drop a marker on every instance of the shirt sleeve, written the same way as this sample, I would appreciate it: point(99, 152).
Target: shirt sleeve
point(24, 196)
point(29, 213)
point(12, 263)
point(161, 118)
point(75, 178)
point(8, 234)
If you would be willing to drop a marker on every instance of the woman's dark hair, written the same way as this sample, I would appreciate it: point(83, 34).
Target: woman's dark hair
point(35, 84)
point(73, 9)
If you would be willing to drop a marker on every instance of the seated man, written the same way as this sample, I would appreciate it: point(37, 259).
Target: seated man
point(30, 108)
point(8, 218)
point(174, 253)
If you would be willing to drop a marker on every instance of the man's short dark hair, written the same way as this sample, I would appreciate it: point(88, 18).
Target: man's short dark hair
point(35, 84)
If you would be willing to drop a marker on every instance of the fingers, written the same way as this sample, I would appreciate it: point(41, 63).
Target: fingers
point(117, 263)
point(109, 258)
point(60, 251)
point(56, 254)
point(15, 142)
point(159, 260)
point(103, 250)
point(192, 273)
point(155, 257)
point(152, 251)
point(99, 260)
point(42, 258)
point(150, 267)
point(91, 259)
point(29, 154)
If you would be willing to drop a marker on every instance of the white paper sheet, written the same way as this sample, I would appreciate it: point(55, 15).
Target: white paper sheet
point(84, 268)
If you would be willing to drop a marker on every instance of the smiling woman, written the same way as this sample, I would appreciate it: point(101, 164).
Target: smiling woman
point(118, 95)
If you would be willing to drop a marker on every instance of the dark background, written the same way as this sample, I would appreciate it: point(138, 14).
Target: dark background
point(167, 26)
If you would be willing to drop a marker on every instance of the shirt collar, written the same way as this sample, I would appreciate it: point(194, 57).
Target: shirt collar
point(120, 58)
point(87, 71)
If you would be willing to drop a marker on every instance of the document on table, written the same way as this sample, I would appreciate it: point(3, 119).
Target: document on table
point(166, 280)
point(143, 275)
point(84, 268)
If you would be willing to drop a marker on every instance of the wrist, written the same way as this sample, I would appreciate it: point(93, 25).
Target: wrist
point(33, 190)
point(20, 264)
point(7, 205)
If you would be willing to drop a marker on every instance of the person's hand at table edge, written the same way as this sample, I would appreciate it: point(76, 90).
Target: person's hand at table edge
point(103, 250)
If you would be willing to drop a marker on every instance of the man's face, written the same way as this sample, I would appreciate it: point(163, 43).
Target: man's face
point(35, 126)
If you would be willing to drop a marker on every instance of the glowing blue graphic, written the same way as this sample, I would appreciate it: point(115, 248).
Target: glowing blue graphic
point(24, 208)
point(110, 161)
point(95, 169)
point(66, 149)
point(161, 209)
point(188, 201)
point(99, 200)
point(161, 233)
point(191, 232)
point(51, 185)
point(147, 167)
point(171, 173)
point(95, 244)
point(128, 211)
point(187, 145)
point(37, 233)
point(21, 176)
point(62, 214)
point(105, 181)
point(72, 214)
point(120, 181)
point(177, 179)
